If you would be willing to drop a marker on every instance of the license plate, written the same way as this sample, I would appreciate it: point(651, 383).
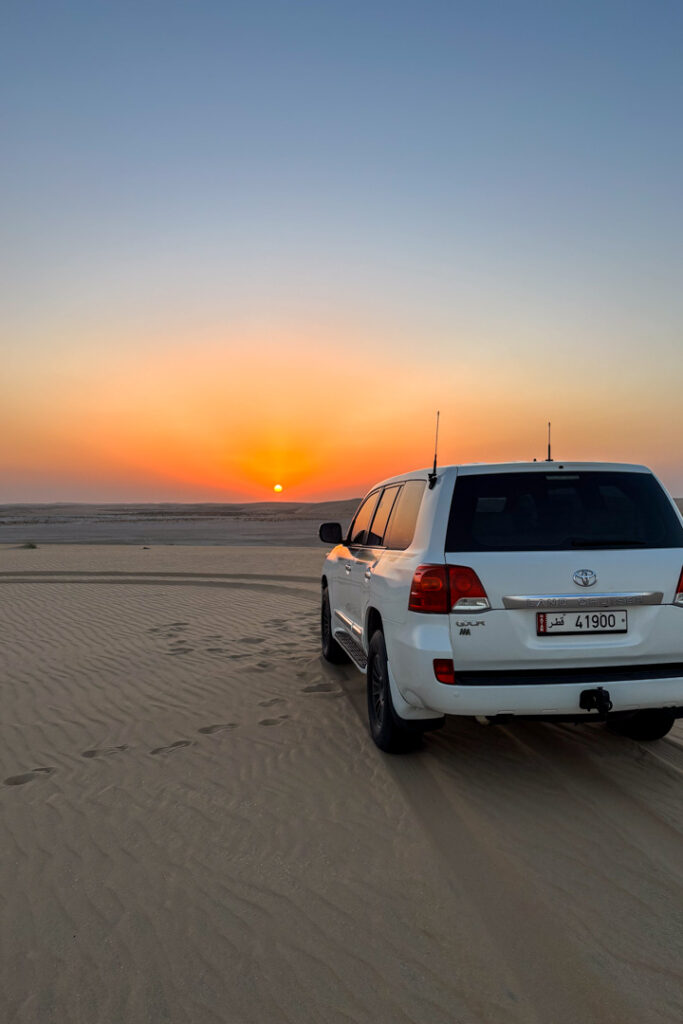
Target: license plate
point(580, 623)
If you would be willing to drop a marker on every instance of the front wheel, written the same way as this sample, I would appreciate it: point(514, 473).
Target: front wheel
point(652, 724)
point(385, 726)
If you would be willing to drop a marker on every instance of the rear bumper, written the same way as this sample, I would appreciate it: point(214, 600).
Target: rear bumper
point(547, 691)
point(549, 699)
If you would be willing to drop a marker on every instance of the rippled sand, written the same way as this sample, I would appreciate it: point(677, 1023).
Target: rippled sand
point(196, 826)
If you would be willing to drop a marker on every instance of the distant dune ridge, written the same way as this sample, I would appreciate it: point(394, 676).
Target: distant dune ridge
point(267, 522)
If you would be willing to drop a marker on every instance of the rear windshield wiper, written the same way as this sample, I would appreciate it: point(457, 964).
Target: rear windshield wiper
point(620, 542)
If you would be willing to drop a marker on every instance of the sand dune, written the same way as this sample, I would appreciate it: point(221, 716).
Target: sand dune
point(197, 827)
point(270, 522)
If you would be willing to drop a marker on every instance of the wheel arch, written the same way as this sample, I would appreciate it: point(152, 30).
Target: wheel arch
point(373, 622)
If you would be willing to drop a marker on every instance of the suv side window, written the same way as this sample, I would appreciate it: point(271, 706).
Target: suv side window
point(379, 523)
point(361, 522)
point(399, 534)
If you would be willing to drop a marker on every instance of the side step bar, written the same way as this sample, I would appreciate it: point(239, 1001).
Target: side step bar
point(353, 648)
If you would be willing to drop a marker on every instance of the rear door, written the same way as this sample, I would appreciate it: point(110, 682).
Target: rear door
point(597, 552)
point(351, 562)
point(366, 556)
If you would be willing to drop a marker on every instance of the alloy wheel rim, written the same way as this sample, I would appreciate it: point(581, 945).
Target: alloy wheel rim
point(377, 692)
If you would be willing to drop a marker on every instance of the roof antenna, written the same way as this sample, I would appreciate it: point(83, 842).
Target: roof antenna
point(550, 458)
point(432, 475)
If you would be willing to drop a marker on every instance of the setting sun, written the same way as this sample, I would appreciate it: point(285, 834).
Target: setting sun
point(277, 487)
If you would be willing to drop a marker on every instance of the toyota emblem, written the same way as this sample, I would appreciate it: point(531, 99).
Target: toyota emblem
point(585, 577)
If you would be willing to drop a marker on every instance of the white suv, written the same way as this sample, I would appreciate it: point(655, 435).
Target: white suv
point(546, 590)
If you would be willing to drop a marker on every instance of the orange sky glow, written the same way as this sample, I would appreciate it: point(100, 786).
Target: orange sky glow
point(326, 413)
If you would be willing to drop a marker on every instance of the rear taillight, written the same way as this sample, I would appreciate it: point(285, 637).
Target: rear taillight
point(678, 599)
point(439, 588)
point(429, 589)
point(466, 588)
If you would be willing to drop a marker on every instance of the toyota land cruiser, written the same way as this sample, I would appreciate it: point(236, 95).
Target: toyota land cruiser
point(546, 590)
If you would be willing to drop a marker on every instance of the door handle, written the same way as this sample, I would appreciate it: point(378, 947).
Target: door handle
point(348, 567)
point(368, 573)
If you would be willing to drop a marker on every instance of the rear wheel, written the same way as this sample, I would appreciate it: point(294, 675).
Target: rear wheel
point(330, 648)
point(651, 724)
point(386, 728)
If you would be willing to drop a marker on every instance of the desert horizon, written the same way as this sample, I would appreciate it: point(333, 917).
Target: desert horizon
point(285, 523)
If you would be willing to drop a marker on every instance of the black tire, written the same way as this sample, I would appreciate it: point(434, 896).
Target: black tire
point(331, 649)
point(644, 726)
point(386, 728)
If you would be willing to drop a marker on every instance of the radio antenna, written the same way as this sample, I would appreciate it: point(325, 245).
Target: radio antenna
point(550, 458)
point(432, 475)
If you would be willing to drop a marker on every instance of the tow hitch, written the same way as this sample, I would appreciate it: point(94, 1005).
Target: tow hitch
point(596, 700)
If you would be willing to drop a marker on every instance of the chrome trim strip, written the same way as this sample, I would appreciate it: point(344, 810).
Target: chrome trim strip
point(350, 626)
point(471, 604)
point(471, 611)
point(560, 601)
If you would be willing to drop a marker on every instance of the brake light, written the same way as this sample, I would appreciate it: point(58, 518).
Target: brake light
point(437, 589)
point(678, 599)
point(429, 589)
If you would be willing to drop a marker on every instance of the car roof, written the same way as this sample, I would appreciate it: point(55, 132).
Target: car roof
point(474, 468)
point(549, 467)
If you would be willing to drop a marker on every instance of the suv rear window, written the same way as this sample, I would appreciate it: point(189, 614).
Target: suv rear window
point(560, 511)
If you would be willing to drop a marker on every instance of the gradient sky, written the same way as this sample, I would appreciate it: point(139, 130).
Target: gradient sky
point(259, 242)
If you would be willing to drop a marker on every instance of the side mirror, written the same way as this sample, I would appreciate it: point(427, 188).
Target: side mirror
point(330, 533)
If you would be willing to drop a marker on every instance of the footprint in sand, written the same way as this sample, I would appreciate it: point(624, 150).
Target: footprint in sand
point(180, 650)
point(105, 751)
point(171, 747)
point(172, 630)
point(274, 721)
point(216, 650)
point(253, 640)
point(270, 703)
point(263, 664)
point(320, 688)
point(35, 773)
point(209, 730)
